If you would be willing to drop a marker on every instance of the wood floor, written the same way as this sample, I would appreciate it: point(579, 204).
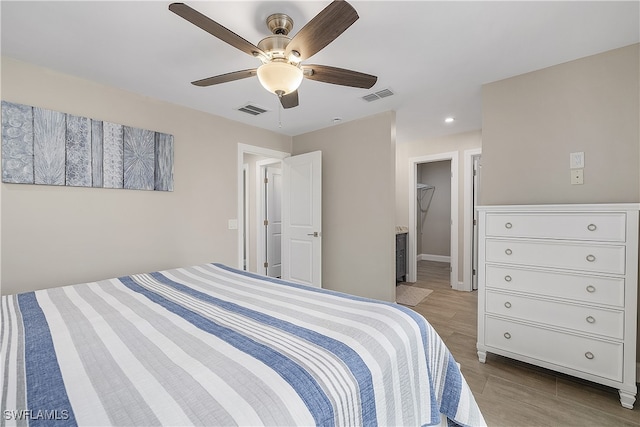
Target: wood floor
point(511, 393)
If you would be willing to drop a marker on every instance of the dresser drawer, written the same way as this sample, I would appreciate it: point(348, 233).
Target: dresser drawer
point(578, 287)
point(573, 256)
point(608, 227)
point(592, 320)
point(601, 358)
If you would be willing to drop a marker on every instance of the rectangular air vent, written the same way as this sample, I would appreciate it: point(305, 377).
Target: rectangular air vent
point(384, 93)
point(254, 110)
point(378, 95)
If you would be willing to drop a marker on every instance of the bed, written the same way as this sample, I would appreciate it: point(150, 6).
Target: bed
point(212, 345)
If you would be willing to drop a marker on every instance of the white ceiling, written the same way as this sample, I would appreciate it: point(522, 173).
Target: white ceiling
point(434, 55)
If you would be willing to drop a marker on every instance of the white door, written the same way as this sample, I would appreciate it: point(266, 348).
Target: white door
point(273, 221)
point(302, 219)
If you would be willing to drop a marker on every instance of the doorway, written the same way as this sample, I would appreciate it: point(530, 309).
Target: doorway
point(471, 188)
point(300, 200)
point(433, 215)
point(250, 203)
point(451, 165)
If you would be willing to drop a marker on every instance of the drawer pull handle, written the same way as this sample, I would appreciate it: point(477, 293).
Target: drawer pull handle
point(508, 225)
point(508, 251)
point(589, 355)
point(507, 335)
point(591, 227)
point(591, 289)
point(591, 319)
point(507, 278)
point(507, 304)
point(591, 258)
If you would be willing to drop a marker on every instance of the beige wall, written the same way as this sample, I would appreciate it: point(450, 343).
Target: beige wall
point(532, 122)
point(61, 235)
point(358, 224)
point(458, 142)
point(76, 235)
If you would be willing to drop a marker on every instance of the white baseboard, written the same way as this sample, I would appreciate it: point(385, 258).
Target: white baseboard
point(436, 258)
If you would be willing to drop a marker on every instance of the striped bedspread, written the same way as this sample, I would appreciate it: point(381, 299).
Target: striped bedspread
point(210, 345)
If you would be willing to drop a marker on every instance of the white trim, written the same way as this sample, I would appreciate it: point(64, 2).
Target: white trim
point(242, 150)
point(593, 207)
point(261, 166)
point(245, 211)
point(412, 255)
point(467, 227)
point(436, 258)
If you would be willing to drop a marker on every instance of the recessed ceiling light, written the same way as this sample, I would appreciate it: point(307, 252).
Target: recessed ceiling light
point(449, 120)
point(337, 119)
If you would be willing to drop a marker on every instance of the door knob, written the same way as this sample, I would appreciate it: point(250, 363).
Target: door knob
point(314, 234)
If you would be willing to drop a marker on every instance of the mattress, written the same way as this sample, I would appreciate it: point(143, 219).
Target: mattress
point(211, 345)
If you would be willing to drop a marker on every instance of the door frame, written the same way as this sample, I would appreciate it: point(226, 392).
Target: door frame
point(244, 219)
point(468, 227)
point(242, 150)
point(261, 167)
point(413, 194)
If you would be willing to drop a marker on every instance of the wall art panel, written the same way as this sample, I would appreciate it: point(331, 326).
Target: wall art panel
point(164, 162)
point(78, 151)
point(113, 155)
point(139, 159)
point(49, 130)
point(41, 146)
point(17, 143)
point(97, 153)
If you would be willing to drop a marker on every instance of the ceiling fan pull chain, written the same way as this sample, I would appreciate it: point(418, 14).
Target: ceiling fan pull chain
point(280, 115)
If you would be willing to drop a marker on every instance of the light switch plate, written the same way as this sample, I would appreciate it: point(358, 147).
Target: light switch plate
point(576, 160)
point(577, 176)
point(233, 224)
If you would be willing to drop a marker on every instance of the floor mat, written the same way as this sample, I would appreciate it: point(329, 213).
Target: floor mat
point(411, 295)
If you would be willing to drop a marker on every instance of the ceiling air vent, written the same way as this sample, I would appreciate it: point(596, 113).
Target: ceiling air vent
point(378, 95)
point(254, 110)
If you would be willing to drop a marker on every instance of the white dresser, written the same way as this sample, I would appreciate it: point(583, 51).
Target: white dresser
point(558, 288)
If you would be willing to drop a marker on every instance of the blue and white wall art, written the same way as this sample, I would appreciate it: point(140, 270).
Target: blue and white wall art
point(41, 146)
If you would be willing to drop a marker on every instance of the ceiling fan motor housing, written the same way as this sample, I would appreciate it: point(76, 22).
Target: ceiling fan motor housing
point(274, 46)
point(279, 23)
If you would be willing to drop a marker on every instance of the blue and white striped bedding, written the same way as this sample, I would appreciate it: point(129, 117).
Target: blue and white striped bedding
point(210, 345)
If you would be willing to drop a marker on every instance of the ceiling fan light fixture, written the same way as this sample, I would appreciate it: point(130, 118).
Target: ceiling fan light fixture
point(280, 78)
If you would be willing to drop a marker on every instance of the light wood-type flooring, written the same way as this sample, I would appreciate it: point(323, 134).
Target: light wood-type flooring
point(512, 393)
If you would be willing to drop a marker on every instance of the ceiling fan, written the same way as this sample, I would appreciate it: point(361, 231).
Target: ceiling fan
point(282, 70)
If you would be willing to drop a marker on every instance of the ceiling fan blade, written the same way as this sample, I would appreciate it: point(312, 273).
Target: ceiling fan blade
point(224, 78)
point(324, 28)
point(290, 100)
point(338, 76)
point(213, 28)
